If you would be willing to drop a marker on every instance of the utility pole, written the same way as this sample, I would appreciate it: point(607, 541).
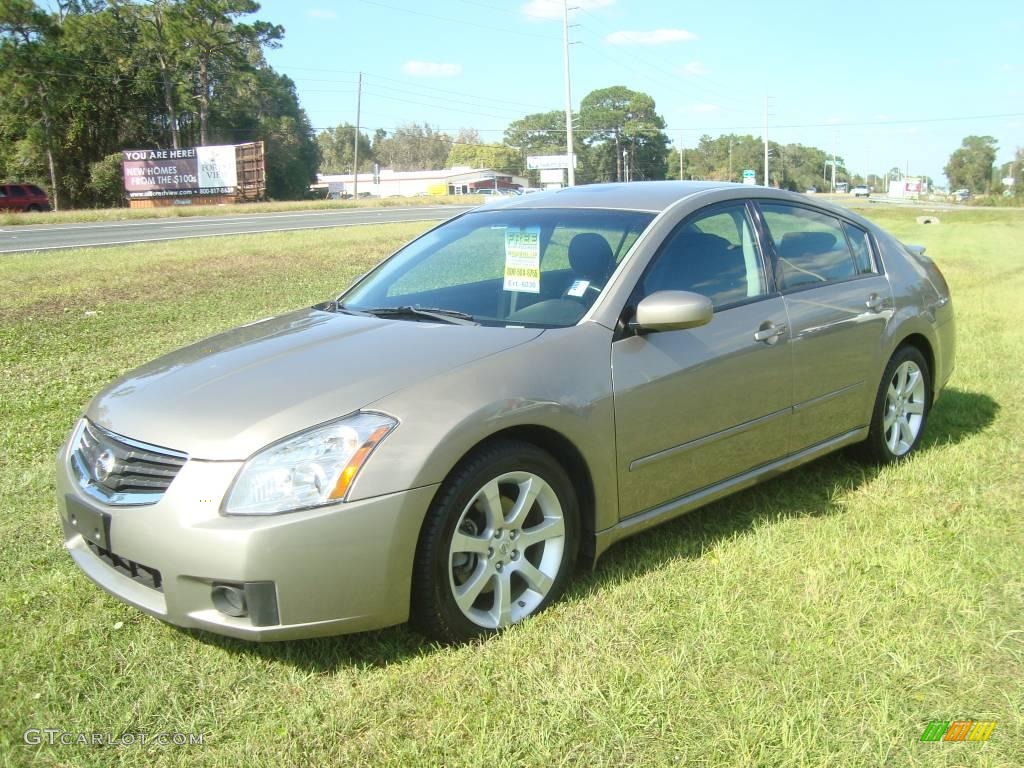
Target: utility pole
point(730, 157)
point(681, 136)
point(355, 141)
point(568, 93)
point(766, 142)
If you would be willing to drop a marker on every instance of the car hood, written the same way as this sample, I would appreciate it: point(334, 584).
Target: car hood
point(227, 396)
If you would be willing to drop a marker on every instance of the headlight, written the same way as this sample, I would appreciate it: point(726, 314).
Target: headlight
point(310, 469)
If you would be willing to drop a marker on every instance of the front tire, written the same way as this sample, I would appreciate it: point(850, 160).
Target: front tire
point(901, 408)
point(498, 545)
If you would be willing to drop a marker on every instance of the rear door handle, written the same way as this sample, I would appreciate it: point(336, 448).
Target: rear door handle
point(769, 332)
point(874, 302)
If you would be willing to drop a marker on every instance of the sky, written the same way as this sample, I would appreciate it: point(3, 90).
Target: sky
point(882, 84)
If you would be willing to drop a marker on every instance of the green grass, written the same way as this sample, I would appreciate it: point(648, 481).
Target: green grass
point(182, 211)
point(821, 619)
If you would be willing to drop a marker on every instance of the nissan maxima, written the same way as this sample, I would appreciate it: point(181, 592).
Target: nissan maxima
point(496, 404)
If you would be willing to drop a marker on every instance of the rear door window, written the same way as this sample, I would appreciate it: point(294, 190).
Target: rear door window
point(810, 246)
point(16, 191)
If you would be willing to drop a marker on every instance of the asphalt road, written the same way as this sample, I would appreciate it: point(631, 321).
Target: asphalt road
point(44, 237)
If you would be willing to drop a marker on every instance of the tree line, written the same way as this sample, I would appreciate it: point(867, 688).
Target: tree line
point(618, 136)
point(80, 80)
point(85, 79)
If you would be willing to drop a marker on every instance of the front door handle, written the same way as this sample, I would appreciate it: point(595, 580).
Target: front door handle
point(874, 302)
point(769, 332)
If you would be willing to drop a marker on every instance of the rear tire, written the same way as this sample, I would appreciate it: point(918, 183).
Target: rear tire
point(34, 209)
point(901, 408)
point(498, 545)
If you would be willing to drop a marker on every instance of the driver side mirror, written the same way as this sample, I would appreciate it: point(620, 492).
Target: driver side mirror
point(672, 311)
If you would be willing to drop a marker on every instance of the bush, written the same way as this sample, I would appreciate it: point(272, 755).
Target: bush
point(106, 181)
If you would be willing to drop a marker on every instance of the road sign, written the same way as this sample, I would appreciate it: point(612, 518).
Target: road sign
point(749, 177)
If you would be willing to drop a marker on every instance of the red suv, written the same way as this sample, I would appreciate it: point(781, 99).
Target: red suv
point(23, 197)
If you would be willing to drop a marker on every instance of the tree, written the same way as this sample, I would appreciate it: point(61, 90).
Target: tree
point(498, 157)
point(543, 133)
point(88, 79)
point(28, 44)
point(467, 136)
point(970, 166)
point(625, 132)
point(218, 45)
point(336, 149)
point(413, 147)
point(1014, 170)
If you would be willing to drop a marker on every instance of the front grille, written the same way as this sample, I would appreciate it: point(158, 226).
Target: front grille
point(149, 577)
point(119, 470)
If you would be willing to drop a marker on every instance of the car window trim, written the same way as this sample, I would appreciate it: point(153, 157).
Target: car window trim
point(770, 243)
point(771, 290)
point(871, 249)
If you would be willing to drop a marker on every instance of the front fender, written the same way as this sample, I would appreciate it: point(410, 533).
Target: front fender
point(560, 381)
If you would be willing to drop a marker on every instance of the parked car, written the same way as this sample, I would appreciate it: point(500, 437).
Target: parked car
point(860, 191)
point(23, 197)
point(517, 389)
point(961, 195)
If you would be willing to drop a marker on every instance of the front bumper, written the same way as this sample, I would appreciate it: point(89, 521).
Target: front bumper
point(337, 569)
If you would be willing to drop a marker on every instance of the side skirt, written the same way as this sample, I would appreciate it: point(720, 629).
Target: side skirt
point(664, 512)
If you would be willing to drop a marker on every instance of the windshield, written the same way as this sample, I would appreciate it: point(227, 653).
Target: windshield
point(526, 267)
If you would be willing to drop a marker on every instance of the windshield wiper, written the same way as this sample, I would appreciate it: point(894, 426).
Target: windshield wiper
point(452, 316)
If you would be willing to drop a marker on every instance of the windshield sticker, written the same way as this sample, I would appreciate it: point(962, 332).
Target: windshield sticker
point(578, 288)
point(522, 259)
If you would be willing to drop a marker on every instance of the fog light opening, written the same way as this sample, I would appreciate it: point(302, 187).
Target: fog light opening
point(229, 600)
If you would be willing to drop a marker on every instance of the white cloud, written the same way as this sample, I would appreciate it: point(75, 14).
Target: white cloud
point(431, 69)
point(693, 69)
point(653, 37)
point(324, 14)
point(833, 120)
point(552, 9)
point(706, 108)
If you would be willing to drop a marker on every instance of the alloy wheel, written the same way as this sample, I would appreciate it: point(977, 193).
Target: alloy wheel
point(507, 550)
point(904, 408)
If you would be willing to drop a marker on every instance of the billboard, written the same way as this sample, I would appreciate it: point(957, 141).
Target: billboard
point(547, 162)
point(180, 172)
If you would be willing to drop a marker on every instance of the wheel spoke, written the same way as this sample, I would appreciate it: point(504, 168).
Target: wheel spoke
point(551, 528)
point(466, 594)
point(536, 579)
point(501, 611)
point(463, 542)
point(915, 408)
point(893, 437)
point(906, 433)
point(901, 379)
point(490, 500)
point(888, 421)
point(913, 380)
point(529, 490)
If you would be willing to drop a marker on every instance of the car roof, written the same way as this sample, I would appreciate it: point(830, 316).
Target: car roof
point(654, 196)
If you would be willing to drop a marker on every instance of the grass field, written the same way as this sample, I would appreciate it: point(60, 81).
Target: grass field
point(821, 619)
point(87, 215)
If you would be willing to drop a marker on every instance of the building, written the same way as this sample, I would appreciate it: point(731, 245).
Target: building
point(448, 181)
